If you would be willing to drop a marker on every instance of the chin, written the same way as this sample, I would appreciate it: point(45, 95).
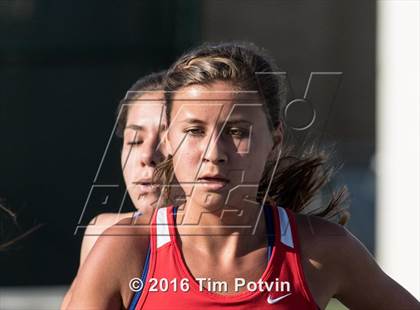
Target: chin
point(142, 202)
point(211, 200)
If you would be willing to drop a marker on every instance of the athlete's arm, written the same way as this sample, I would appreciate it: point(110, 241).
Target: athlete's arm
point(362, 284)
point(103, 280)
point(95, 228)
point(68, 295)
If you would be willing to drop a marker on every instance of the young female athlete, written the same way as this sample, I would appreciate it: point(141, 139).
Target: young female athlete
point(141, 118)
point(225, 247)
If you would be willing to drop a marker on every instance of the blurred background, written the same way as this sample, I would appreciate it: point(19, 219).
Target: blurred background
point(66, 64)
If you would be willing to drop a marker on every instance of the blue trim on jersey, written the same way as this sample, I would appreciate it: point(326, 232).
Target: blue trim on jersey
point(175, 211)
point(143, 277)
point(269, 223)
point(137, 296)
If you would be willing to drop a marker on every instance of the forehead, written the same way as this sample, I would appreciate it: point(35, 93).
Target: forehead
point(146, 110)
point(218, 100)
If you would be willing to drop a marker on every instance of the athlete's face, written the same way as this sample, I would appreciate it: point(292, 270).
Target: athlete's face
point(220, 142)
point(141, 150)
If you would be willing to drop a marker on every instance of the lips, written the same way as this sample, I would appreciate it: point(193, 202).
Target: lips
point(143, 183)
point(214, 179)
point(213, 182)
point(145, 186)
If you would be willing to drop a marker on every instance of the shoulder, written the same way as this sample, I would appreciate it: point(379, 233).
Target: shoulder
point(103, 221)
point(118, 256)
point(318, 228)
point(338, 258)
point(125, 234)
point(323, 247)
point(96, 227)
point(327, 243)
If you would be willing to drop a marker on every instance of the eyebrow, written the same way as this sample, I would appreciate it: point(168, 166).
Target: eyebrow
point(229, 122)
point(193, 121)
point(135, 127)
point(236, 121)
point(142, 128)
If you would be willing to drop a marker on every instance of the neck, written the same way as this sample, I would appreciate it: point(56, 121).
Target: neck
point(228, 232)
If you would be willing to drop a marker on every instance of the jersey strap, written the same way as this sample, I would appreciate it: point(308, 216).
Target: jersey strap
point(162, 229)
point(285, 228)
point(137, 296)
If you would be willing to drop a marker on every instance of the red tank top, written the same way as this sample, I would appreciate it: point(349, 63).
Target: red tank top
point(169, 284)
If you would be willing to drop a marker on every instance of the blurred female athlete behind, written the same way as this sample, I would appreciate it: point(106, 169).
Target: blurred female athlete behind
point(223, 138)
point(141, 118)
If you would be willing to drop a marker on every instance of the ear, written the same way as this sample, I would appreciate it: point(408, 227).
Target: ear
point(278, 133)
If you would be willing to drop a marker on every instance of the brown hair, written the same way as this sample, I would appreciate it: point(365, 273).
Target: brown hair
point(151, 82)
point(297, 177)
point(9, 224)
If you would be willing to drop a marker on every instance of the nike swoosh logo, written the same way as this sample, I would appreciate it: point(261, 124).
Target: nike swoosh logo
point(273, 301)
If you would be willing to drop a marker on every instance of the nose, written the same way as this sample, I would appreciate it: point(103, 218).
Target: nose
point(216, 150)
point(151, 154)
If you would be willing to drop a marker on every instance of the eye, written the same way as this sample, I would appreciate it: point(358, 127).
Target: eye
point(135, 143)
point(195, 131)
point(238, 132)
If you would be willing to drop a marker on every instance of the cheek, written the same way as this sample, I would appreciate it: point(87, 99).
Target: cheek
point(187, 160)
point(127, 168)
point(130, 163)
point(128, 156)
point(256, 159)
point(124, 154)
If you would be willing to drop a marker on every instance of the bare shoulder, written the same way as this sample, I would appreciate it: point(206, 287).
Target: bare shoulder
point(332, 245)
point(103, 221)
point(319, 234)
point(117, 257)
point(335, 246)
point(127, 231)
point(339, 265)
point(96, 227)
point(320, 241)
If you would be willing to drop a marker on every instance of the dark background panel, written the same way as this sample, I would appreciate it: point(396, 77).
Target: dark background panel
point(64, 65)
